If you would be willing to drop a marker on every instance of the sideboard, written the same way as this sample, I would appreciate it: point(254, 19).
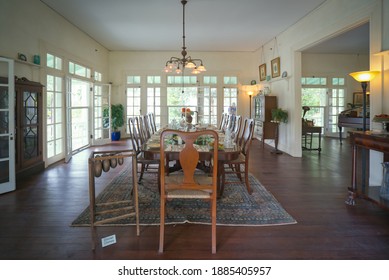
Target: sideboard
point(362, 142)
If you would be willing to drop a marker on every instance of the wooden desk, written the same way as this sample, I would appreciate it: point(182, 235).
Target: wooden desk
point(370, 141)
point(309, 131)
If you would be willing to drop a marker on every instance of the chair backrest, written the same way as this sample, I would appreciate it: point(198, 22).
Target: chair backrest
point(222, 120)
point(144, 128)
point(152, 122)
point(237, 127)
point(247, 136)
point(136, 140)
point(231, 122)
point(189, 158)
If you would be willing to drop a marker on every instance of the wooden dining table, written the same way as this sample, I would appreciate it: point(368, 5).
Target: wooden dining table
point(151, 150)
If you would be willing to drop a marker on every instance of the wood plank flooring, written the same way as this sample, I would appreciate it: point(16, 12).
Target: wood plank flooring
point(35, 219)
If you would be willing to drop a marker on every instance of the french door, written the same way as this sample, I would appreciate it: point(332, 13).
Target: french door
point(101, 114)
point(7, 127)
point(77, 116)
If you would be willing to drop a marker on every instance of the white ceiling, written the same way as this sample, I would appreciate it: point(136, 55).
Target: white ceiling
point(211, 25)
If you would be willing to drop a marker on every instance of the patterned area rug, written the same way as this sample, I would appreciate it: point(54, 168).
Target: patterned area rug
point(235, 208)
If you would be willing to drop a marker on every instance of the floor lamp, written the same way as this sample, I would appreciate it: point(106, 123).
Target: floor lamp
point(250, 94)
point(364, 77)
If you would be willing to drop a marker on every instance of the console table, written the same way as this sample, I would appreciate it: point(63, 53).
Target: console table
point(369, 141)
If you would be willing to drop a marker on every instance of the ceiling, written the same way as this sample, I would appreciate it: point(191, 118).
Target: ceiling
point(210, 25)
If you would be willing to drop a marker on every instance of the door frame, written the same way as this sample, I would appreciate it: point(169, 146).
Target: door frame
point(10, 185)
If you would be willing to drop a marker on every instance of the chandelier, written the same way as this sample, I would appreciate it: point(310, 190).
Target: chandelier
point(179, 64)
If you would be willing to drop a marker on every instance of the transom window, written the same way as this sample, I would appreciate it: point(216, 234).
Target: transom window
point(79, 70)
point(53, 61)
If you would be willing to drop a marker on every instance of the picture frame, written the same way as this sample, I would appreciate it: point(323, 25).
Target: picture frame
point(275, 67)
point(262, 72)
point(358, 99)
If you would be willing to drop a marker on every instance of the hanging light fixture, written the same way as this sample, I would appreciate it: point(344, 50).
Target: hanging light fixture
point(179, 64)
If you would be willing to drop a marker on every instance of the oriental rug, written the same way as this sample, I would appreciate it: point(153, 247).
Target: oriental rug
point(235, 208)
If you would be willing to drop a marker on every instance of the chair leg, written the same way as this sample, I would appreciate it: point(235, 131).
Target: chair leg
point(238, 172)
point(213, 225)
point(246, 180)
point(142, 170)
point(162, 225)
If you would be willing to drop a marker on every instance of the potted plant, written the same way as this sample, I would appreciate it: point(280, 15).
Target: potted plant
point(278, 116)
point(117, 120)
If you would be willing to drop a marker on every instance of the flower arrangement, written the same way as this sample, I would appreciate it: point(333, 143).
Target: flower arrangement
point(187, 114)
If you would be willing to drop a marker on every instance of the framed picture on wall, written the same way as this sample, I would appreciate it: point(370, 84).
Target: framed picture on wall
point(262, 72)
point(358, 99)
point(275, 67)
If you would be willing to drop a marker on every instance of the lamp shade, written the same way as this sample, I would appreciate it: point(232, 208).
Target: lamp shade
point(364, 76)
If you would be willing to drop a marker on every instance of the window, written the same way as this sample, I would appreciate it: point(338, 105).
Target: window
point(133, 97)
point(54, 91)
point(208, 101)
point(325, 96)
point(79, 70)
point(98, 76)
point(182, 92)
point(53, 61)
point(230, 80)
point(154, 98)
point(230, 93)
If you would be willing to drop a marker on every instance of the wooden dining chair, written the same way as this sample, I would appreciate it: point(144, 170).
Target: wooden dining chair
point(152, 122)
point(234, 166)
point(188, 184)
point(223, 121)
point(144, 127)
point(237, 127)
point(147, 164)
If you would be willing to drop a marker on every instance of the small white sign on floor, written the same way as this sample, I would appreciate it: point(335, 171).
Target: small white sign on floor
point(109, 240)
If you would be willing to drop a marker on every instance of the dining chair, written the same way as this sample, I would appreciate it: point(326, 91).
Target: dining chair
point(237, 127)
point(147, 164)
point(152, 122)
point(144, 127)
point(187, 183)
point(234, 166)
point(223, 121)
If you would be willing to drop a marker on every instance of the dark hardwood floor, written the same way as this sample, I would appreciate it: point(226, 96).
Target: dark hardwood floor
point(35, 219)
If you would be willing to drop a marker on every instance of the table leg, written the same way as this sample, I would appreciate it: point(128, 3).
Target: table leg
point(352, 191)
point(220, 178)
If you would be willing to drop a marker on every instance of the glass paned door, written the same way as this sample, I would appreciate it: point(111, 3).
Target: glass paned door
point(101, 113)
point(77, 115)
point(7, 127)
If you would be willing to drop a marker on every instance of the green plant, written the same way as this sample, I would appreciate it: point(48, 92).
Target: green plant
point(117, 116)
point(279, 115)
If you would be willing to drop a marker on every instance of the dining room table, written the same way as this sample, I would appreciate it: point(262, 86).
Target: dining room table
point(172, 147)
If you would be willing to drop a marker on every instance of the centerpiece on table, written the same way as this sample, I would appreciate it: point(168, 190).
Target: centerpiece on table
point(186, 113)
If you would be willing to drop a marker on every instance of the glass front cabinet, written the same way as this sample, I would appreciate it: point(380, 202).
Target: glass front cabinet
point(28, 127)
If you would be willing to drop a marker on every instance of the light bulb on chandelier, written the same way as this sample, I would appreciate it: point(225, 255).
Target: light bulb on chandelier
point(179, 64)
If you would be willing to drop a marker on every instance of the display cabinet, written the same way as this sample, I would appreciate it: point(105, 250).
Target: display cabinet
point(28, 127)
point(264, 128)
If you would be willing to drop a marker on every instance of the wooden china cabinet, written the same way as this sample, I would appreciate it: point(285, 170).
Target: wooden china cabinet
point(28, 127)
point(264, 128)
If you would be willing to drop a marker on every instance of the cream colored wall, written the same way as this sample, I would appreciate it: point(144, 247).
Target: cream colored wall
point(218, 64)
point(330, 19)
point(30, 27)
point(335, 65)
